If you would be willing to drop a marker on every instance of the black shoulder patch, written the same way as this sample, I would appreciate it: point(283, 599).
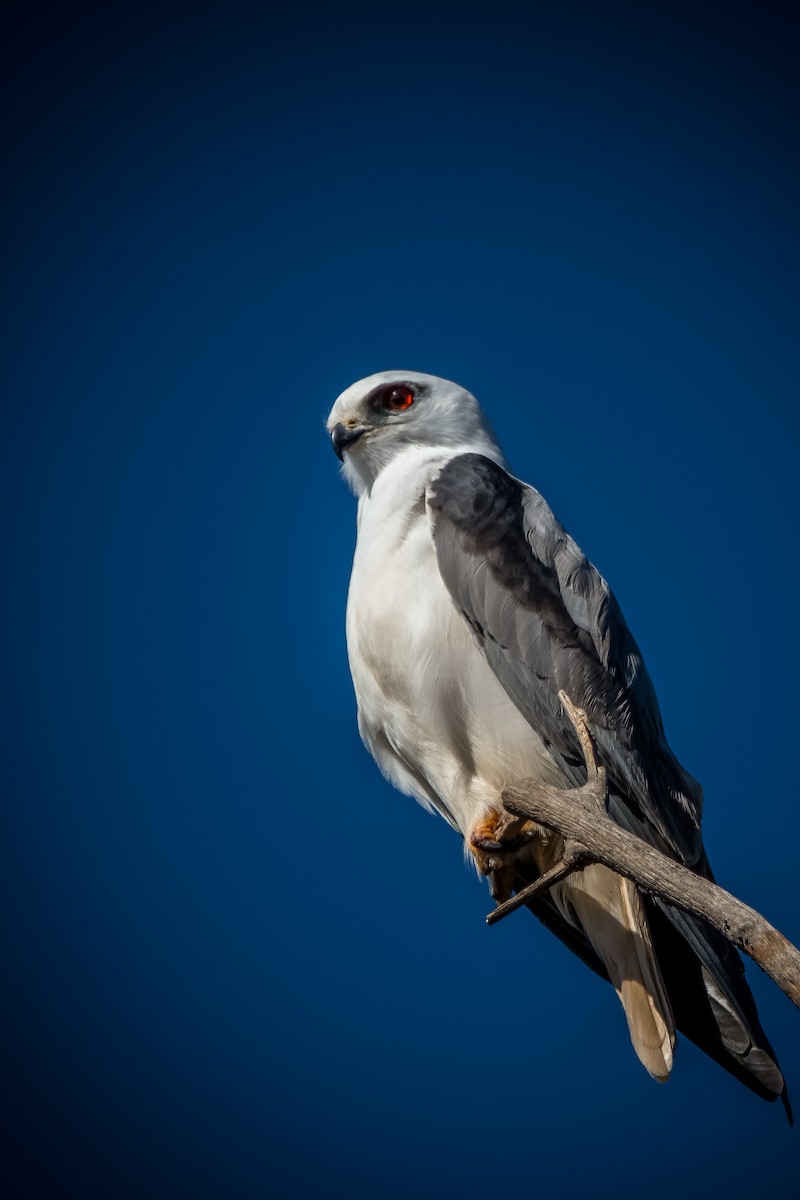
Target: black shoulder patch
point(478, 497)
point(484, 505)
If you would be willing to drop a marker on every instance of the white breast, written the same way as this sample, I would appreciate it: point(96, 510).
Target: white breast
point(431, 710)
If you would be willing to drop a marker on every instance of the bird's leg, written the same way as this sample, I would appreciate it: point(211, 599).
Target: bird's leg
point(495, 842)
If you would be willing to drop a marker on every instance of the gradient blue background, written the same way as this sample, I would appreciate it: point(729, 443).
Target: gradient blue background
point(237, 964)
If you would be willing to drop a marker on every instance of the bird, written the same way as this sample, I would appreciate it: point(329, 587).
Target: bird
point(469, 610)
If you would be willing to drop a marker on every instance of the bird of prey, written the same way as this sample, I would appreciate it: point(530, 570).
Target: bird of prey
point(469, 609)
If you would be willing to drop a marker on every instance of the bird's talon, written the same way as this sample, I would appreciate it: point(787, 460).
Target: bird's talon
point(487, 844)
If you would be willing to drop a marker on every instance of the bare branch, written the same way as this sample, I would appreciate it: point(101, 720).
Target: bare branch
point(572, 860)
point(591, 836)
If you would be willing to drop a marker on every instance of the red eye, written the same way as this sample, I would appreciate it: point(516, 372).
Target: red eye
point(397, 399)
point(392, 397)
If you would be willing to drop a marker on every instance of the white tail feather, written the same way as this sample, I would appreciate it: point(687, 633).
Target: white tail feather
point(609, 909)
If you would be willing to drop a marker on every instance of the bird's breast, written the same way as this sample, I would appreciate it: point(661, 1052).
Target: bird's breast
point(431, 710)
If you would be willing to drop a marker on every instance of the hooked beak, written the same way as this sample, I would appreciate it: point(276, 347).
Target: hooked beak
point(341, 438)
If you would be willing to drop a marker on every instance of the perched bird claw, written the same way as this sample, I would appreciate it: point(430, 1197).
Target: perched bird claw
point(496, 844)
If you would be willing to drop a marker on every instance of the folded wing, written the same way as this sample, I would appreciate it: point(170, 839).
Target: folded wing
point(546, 620)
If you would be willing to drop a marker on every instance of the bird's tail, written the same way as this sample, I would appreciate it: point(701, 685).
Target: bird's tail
point(612, 916)
point(695, 966)
point(712, 1002)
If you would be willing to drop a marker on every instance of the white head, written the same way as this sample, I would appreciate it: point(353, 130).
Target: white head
point(377, 418)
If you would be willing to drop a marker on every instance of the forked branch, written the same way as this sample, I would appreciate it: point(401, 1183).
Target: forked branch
point(590, 836)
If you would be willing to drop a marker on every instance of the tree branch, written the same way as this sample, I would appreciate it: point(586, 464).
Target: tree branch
point(590, 836)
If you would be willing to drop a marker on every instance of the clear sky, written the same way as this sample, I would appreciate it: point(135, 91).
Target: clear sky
point(237, 964)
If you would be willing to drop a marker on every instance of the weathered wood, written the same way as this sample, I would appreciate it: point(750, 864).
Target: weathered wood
point(590, 835)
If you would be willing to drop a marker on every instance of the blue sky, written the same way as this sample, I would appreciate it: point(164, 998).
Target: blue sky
point(238, 963)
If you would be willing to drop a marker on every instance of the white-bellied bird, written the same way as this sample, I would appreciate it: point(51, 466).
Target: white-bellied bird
point(469, 610)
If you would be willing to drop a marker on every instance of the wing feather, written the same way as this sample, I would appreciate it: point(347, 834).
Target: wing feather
point(546, 620)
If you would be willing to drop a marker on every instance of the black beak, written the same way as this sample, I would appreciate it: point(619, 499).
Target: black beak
point(341, 438)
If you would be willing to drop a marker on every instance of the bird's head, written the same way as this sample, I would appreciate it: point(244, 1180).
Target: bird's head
point(377, 418)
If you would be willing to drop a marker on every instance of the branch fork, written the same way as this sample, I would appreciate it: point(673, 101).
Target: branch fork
point(580, 816)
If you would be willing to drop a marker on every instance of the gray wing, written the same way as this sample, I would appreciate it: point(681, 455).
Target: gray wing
point(547, 620)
